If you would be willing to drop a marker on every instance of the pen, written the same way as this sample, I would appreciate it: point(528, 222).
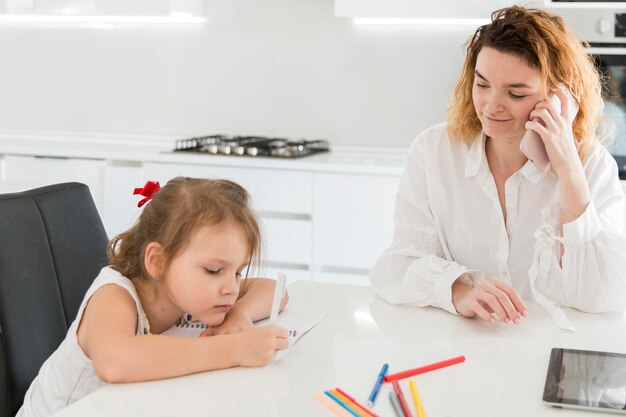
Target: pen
point(379, 380)
point(365, 410)
point(426, 368)
point(395, 405)
point(331, 404)
point(401, 400)
point(416, 399)
point(342, 404)
point(279, 290)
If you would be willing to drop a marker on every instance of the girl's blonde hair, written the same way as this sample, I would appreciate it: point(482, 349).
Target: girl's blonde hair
point(544, 42)
point(174, 213)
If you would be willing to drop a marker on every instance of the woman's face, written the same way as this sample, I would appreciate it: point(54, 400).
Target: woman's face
point(506, 89)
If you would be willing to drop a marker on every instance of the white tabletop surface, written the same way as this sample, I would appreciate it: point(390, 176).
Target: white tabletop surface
point(503, 374)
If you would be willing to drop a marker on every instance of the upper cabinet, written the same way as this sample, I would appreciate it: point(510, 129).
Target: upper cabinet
point(440, 9)
point(133, 11)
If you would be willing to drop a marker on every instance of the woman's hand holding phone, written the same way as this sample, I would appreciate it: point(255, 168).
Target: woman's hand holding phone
point(552, 121)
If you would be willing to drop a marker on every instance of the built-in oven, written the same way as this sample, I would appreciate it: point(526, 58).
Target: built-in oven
point(612, 63)
point(603, 27)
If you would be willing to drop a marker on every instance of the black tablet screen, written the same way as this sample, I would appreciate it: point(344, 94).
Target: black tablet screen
point(586, 378)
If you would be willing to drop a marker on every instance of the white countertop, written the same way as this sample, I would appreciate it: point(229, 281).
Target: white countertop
point(503, 374)
point(133, 148)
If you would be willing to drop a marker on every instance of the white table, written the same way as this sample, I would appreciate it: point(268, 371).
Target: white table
point(503, 374)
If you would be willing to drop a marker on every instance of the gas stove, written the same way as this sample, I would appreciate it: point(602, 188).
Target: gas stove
point(252, 146)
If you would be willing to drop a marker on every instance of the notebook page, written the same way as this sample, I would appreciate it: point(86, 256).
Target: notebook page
point(297, 322)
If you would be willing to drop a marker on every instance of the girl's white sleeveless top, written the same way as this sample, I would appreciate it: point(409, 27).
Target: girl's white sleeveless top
point(68, 374)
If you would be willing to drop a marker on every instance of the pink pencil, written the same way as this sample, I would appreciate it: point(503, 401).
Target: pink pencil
point(426, 368)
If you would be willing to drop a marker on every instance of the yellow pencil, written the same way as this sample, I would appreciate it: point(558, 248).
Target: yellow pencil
point(416, 399)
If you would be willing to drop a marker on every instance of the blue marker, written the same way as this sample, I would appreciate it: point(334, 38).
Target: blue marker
point(379, 381)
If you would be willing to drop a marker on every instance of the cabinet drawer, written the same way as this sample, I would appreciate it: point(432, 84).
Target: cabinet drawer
point(353, 219)
point(26, 172)
point(287, 241)
point(119, 208)
point(293, 275)
point(272, 191)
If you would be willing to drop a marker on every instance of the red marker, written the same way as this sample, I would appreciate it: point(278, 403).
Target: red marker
point(363, 409)
point(401, 400)
point(427, 368)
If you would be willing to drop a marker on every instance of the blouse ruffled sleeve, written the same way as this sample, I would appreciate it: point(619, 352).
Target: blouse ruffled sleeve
point(414, 269)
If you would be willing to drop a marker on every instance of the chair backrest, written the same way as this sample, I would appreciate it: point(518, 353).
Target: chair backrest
point(52, 246)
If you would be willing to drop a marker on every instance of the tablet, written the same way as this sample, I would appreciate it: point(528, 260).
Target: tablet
point(586, 379)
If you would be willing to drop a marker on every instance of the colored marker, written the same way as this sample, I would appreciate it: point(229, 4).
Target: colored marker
point(379, 380)
point(342, 404)
point(426, 368)
point(365, 410)
point(349, 403)
point(397, 410)
point(331, 404)
point(416, 399)
point(279, 290)
point(401, 399)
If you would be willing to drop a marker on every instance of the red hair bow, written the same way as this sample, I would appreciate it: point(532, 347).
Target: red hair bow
point(147, 191)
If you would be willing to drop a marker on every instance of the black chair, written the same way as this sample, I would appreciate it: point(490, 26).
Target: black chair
point(52, 246)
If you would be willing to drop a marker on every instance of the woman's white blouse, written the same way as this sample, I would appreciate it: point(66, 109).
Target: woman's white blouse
point(449, 224)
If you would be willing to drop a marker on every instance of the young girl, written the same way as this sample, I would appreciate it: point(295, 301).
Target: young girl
point(184, 256)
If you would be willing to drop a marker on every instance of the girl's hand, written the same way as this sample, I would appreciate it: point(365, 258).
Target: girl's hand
point(488, 296)
point(556, 132)
point(236, 321)
point(258, 345)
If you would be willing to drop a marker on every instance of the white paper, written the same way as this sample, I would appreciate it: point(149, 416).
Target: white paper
point(297, 322)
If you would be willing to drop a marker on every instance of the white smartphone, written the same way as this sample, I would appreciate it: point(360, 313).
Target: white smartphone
point(532, 145)
point(586, 380)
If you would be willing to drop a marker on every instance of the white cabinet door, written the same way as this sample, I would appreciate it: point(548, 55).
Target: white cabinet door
point(418, 9)
point(26, 172)
point(272, 190)
point(287, 241)
point(281, 198)
point(119, 207)
point(352, 220)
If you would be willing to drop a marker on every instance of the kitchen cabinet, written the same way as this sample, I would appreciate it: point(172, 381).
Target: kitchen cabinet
point(273, 191)
point(417, 9)
point(321, 226)
point(282, 200)
point(119, 207)
point(24, 172)
point(325, 221)
point(322, 219)
point(352, 220)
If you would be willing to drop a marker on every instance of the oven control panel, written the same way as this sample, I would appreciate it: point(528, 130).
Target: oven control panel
point(596, 26)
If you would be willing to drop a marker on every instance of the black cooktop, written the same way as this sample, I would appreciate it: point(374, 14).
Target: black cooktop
point(252, 146)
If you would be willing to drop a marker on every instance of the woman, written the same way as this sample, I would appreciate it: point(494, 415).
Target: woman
point(478, 227)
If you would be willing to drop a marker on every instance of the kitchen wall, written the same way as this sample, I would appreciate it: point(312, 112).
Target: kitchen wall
point(270, 67)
